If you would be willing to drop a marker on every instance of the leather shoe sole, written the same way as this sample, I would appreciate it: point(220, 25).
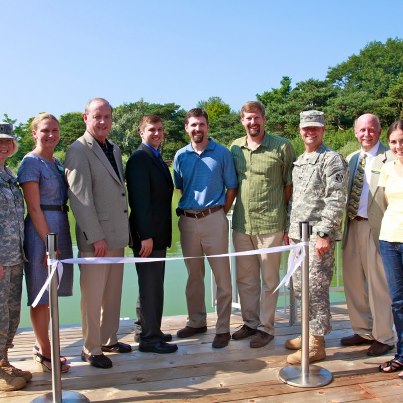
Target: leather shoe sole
point(378, 349)
point(117, 348)
point(355, 340)
point(98, 361)
point(159, 348)
point(190, 331)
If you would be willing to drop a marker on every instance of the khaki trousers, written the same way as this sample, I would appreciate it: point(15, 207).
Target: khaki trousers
point(101, 291)
point(365, 286)
point(206, 236)
point(257, 277)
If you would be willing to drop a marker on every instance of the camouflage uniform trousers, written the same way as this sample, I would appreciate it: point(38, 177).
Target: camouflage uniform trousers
point(320, 277)
point(10, 305)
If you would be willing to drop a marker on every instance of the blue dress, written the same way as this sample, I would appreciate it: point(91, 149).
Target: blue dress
point(53, 191)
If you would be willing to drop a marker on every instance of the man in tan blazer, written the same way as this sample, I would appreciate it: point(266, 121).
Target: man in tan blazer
point(365, 284)
point(97, 194)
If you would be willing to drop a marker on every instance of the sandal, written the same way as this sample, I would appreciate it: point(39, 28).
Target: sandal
point(36, 350)
point(393, 365)
point(46, 364)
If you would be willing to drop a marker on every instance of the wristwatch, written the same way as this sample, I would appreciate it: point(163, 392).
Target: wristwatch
point(322, 234)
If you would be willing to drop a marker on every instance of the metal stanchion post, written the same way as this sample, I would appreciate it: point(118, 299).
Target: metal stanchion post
point(305, 376)
point(57, 395)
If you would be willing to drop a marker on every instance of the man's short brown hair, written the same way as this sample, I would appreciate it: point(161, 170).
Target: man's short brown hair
point(252, 106)
point(149, 119)
point(196, 113)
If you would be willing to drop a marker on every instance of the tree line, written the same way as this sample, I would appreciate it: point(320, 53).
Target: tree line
point(370, 81)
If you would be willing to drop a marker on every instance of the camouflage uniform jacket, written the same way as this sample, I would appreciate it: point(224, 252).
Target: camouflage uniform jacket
point(319, 192)
point(11, 220)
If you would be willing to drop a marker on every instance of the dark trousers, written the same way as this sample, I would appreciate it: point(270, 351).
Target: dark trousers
point(151, 291)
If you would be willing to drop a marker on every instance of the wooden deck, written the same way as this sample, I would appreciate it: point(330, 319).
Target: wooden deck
point(197, 372)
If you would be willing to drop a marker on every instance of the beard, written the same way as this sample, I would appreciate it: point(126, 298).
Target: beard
point(198, 137)
point(254, 132)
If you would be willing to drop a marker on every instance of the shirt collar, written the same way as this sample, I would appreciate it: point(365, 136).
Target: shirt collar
point(210, 146)
point(265, 141)
point(153, 150)
point(373, 151)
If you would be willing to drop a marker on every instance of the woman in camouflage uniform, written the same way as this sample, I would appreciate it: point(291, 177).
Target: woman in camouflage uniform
point(11, 261)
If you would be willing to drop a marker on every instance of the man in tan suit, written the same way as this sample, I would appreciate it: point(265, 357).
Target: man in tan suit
point(365, 284)
point(97, 196)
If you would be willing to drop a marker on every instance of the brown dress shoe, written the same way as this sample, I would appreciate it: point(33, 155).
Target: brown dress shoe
point(260, 339)
point(243, 332)
point(355, 340)
point(189, 331)
point(221, 340)
point(379, 348)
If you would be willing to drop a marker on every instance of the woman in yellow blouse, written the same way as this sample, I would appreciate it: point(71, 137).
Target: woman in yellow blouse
point(391, 238)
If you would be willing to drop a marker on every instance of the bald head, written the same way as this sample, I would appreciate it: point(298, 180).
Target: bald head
point(367, 130)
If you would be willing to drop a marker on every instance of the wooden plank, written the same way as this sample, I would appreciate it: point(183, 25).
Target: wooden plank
point(198, 372)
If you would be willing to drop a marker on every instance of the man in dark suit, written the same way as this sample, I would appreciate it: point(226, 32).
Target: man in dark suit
point(150, 188)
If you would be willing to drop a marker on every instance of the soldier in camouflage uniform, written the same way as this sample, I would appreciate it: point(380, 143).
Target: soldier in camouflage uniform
point(11, 261)
point(319, 195)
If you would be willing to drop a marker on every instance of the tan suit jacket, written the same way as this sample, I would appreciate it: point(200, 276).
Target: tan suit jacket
point(376, 199)
point(97, 195)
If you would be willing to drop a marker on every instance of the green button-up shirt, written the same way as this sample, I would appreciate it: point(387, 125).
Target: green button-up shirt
point(263, 173)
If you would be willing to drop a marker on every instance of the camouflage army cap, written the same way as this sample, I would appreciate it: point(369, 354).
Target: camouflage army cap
point(311, 118)
point(6, 132)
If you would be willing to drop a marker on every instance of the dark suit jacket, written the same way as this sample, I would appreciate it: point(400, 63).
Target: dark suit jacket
point(376, 198)
point(150, 189)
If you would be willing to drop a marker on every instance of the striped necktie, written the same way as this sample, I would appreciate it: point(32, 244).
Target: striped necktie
point(356, 188)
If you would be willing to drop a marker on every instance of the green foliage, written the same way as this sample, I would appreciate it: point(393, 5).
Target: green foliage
point(227, 128)
point(370, 82)
point(25, 141)
point(72, 126)
point(126, 119)
point(215, 108)
point(374, 70)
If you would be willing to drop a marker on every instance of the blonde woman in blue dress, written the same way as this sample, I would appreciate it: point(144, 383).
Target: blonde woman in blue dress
point(41, 176)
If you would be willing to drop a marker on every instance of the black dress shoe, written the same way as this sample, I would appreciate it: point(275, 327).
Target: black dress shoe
point(98, 361)
point(159, 348)
point(166, 337)
point(117, 348)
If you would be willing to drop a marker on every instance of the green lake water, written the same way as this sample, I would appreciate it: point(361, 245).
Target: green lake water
point(175, 283)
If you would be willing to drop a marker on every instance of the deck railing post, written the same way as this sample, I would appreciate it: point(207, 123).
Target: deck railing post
point(305, 376)
point(57, 395)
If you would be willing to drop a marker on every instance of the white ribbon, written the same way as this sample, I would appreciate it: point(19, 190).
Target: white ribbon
point(297, 250)
point(295, 259)
point(56, 265)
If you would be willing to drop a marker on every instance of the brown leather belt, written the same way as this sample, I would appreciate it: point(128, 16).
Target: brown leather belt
point(203, 213)
point(359, 218)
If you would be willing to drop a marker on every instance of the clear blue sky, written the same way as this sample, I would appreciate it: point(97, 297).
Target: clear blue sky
point(55, 55)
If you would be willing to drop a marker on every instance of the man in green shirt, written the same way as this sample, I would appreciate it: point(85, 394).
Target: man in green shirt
point(264, 163)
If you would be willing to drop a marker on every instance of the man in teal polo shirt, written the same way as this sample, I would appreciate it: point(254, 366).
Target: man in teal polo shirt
point(264, 163)
point(205, 174)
